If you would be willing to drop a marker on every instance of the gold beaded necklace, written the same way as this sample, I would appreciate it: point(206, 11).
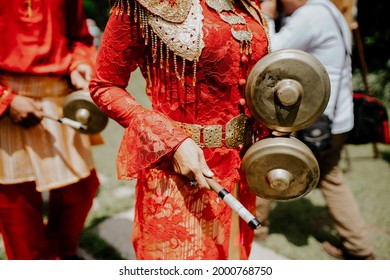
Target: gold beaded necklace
point(227, 12)
point(154, 26)
point(158, 31)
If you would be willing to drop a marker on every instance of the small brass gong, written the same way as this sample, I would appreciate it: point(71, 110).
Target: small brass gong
point(287, 90)
point(79, 106)
point(281, 168)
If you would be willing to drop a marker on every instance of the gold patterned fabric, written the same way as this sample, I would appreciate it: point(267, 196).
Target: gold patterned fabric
point(237, 132)
point(51, 154)
point(185, 39)
point(174, 11)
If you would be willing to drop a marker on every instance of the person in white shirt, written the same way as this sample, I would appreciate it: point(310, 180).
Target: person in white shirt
point(317, 27)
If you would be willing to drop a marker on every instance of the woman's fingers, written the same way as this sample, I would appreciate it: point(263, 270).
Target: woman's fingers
point(25, 112)
point(189, 161)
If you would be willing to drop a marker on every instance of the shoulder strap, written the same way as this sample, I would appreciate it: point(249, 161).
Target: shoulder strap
point(347, 51)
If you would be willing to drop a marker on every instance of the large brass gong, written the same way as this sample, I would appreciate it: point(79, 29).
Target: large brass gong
point(287, 90)
point(79, 106)
point(281, 168)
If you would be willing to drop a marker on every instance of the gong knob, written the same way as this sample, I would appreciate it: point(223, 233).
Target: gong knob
point(83, 116)
point(287, 90)
point(281, 168)
point(279, 179)
point(79, 106)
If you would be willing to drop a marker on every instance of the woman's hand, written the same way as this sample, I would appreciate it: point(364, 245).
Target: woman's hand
point(25, 112)
point(81, 76)
point(189, 161)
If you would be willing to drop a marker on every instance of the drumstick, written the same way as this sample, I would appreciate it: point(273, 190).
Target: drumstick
point(230, 200)
point(74, 124)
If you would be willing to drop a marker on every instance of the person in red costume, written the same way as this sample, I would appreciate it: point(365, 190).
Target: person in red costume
point(46, 53)
point(195, 56)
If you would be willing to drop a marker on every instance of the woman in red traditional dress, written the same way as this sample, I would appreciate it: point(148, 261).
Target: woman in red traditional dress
point(195, 56)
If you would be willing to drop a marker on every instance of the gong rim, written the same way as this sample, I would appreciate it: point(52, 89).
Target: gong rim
point(299, 74)
point(288, 154)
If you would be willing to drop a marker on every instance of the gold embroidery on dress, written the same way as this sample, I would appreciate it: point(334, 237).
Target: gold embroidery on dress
point(257, 13)
point(175, 11)
point(184, 40)
point(227, 12)
point(181, 32)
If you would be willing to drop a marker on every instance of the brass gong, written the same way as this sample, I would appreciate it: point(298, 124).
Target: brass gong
point(281, 168)
point(287, 90)
point(79, 106)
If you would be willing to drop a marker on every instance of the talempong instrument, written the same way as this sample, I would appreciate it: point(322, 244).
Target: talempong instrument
point(82, 114)
point(280, 168)
point(286, 91)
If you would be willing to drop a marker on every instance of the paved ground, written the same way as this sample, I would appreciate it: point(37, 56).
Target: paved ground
point(117, 232)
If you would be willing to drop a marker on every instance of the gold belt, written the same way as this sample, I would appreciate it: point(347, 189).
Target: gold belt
point(237, 132)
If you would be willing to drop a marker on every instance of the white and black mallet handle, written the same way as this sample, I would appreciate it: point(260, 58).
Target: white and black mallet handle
point(230, 200)
point(73, 124)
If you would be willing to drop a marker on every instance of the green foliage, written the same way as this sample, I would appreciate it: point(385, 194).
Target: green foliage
point(97, 10)
point(375, 33)
point(374, 27)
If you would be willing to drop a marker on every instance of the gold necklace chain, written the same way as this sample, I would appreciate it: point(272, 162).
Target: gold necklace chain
point(29, 9)
point(227, 12)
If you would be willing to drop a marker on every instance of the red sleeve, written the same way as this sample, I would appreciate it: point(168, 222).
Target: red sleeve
point(149, 135)
point(6, 98)
point(80, 40)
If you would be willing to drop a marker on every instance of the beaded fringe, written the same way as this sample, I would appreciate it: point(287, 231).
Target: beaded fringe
point(159, 49)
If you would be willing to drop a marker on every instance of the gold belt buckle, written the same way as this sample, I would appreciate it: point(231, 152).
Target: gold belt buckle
point(212, 136)
point(192, 130)
point(238, 131)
